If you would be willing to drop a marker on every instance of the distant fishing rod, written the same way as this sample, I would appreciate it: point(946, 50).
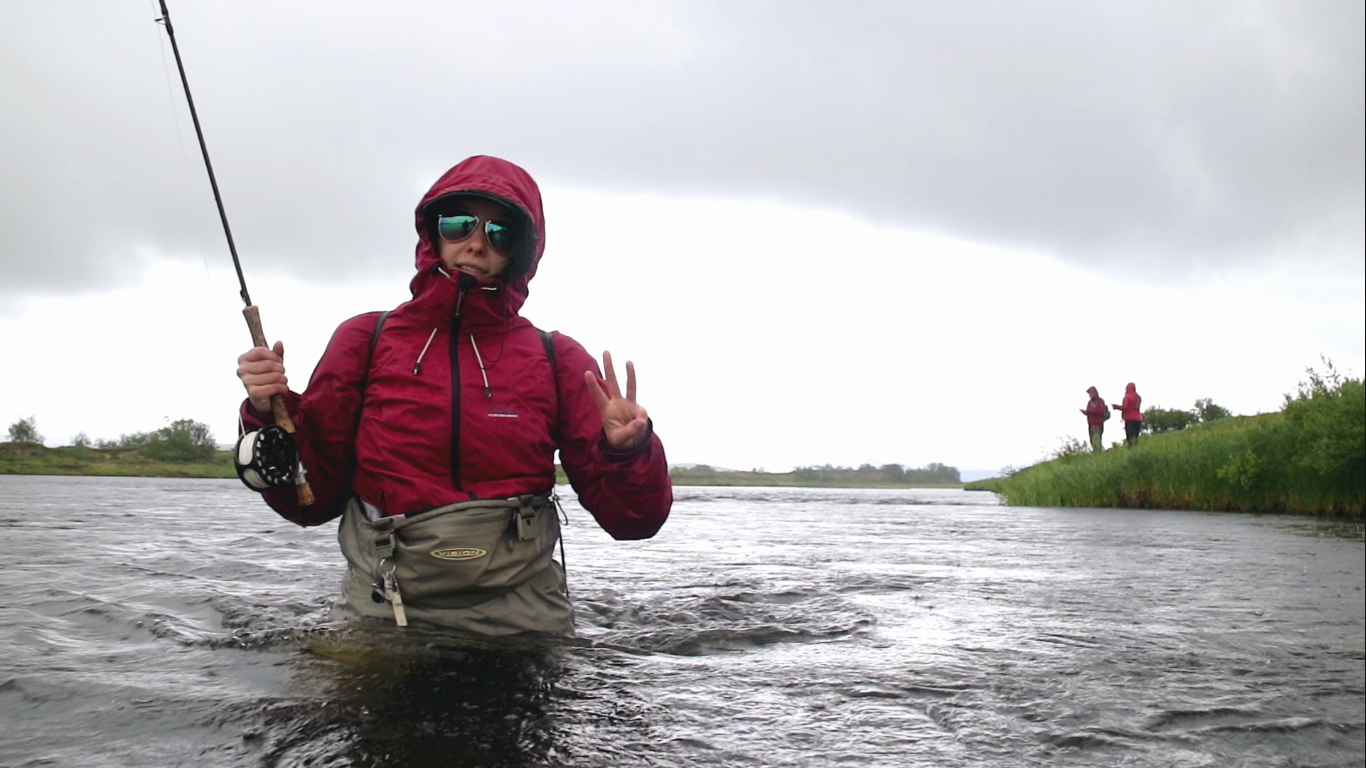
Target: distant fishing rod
point(251, 313)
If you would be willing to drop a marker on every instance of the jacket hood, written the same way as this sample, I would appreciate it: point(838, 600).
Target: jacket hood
point(1129, 388)
point(1092, 392)
point(503, 182)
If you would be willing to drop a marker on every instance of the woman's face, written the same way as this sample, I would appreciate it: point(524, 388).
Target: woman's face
point(474, 255)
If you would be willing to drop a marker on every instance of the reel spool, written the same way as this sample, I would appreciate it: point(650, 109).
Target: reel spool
point(266, 458)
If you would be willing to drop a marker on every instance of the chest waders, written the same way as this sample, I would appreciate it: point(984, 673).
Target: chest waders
point(485, 566)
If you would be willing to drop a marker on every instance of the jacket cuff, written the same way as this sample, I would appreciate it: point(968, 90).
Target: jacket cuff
point(251, 420)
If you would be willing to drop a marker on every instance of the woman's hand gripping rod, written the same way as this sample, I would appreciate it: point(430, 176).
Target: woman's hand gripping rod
point(277, 402)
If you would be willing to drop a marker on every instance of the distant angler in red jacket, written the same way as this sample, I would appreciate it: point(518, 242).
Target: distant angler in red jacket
point(433, 435)
point(1131, 410)
point(1096, 413)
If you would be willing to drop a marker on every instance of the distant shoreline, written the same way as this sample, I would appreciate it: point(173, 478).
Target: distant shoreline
point(80, 461)
point(721, 483)
point(867, 476)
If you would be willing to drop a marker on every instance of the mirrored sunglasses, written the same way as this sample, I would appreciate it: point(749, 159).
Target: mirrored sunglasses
point(459, 226)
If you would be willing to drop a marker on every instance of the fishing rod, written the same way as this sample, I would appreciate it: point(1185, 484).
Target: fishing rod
point(251, 312)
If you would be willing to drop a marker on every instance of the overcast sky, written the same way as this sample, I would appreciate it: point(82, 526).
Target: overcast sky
point(826, 232)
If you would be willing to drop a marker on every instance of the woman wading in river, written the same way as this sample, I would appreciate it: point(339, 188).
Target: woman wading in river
point(431, 430)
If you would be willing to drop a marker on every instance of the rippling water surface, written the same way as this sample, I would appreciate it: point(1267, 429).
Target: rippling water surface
point(159, 623)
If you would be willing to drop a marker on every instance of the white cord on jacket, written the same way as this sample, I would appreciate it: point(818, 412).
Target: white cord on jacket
point(417, 367)
point(488, 392)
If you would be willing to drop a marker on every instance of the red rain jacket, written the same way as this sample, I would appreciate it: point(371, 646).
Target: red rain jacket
point(1130, 408)
point(439, 435)
point(1096, 411)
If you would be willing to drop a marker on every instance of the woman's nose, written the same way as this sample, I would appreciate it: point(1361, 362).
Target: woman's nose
point(476, 241)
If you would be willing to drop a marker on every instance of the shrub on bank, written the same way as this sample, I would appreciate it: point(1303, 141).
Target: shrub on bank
point(184, 440)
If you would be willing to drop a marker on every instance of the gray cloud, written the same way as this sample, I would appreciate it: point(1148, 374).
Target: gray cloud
point(1177, 136)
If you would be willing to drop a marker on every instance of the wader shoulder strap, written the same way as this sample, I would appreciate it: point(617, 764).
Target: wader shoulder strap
point(548, 342)
point(369, 358)
point(365, 382)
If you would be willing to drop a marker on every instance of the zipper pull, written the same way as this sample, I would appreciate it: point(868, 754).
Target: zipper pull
point(464, 281)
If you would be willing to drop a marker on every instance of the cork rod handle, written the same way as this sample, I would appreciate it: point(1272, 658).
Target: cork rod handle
point(277, 402)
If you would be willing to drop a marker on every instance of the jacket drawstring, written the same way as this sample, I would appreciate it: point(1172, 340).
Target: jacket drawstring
point(417, 366)
point(488, 392)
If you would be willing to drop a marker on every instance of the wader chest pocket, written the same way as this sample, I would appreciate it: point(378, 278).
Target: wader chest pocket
point(455, 556)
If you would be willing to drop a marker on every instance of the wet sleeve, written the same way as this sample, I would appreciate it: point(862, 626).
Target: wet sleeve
point(629, 493)
point(324, 426)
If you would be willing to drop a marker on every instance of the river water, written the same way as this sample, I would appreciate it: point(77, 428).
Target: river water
point(155, 622)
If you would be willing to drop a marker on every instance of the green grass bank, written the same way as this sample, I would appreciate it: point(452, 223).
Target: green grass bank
point(34, 459)
point(1310, 458)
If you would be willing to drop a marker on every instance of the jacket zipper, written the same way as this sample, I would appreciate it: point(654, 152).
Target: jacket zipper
point(455, 384)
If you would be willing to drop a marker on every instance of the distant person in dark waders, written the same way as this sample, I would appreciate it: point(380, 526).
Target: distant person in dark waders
point(431, 430)
point(1097, 412)
point(1132, 411)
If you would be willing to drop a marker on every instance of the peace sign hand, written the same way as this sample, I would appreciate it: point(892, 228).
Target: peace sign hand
point(624, 421)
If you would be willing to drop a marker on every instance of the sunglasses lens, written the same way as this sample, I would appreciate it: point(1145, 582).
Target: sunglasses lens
point(499, 235)
point(456, 228)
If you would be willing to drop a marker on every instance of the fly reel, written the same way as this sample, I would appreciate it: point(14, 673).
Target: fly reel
point(266, 458)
